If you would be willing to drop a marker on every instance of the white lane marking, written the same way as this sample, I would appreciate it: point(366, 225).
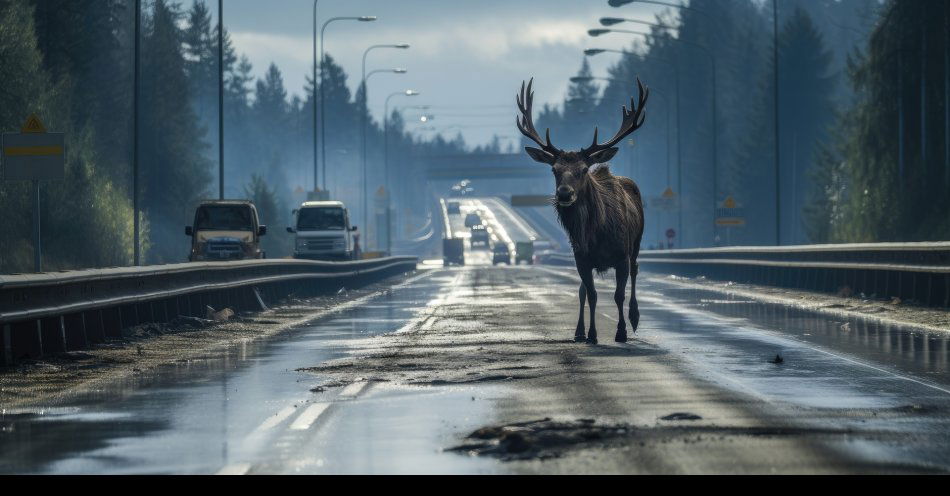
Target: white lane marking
point(234, 469)
point(309, 416)
point(805, 344)
point(276, 419)
point(354, 389)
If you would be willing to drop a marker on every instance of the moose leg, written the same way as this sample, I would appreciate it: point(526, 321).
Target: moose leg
point(622, 271)
point(587, 277)
point(634, 307)
point(579, 333)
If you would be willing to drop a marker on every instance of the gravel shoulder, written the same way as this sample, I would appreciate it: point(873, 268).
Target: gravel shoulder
point(47, 381)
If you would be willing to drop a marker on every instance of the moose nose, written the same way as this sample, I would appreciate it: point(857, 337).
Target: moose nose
point(564, 193)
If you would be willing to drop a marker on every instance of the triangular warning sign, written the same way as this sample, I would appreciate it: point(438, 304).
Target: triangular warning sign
point(381, 191)
point(33, 125)
point(298, 190)
point(729, 203)
point(668, 193)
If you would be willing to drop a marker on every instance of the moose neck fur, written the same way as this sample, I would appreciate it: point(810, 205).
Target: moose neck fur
point(586, 219)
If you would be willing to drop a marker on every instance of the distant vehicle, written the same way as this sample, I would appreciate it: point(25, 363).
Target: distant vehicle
point(472, 220)
point(480, 236)
point(453, 207)
point(500, 254)
point(225, 230)
point(453, 251)
point(524, 252)
point(323, 231)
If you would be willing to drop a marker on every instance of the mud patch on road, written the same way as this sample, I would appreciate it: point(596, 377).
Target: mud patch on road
point(541, 439)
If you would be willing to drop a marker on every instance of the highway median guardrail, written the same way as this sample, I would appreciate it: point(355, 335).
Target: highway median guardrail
point(65, 311)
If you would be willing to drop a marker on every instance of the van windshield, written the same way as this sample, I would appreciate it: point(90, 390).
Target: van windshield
point(320, 219)
point(224, 218)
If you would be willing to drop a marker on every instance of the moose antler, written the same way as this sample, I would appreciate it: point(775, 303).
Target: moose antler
point(632, 120)
point(526, 123)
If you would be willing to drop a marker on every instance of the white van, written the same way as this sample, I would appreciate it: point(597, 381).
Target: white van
point(323, 231)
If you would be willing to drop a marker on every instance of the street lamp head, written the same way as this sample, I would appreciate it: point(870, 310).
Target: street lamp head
point(401, 45)
point(593, 51)
point(581, 79)
point(619, 3)
point(366, 18)
point(400, 70)
point(412, 93)
point(610, 21)
point(597, 32)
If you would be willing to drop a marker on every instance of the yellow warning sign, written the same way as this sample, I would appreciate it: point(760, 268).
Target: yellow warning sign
point(668, 193)
point(729, 203)
point(33, 125)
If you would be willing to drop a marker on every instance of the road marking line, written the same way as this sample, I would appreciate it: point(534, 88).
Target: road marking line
point(234, 469)
point(353, 389)
point(309, 416)
point(276, 419)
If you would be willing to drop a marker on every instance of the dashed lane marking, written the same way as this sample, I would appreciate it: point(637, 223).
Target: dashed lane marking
point(309, 416)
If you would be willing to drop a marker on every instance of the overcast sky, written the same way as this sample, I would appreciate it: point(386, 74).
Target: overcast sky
point(468, 57)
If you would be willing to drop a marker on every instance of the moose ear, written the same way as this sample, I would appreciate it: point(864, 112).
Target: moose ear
point(602, 156)
point(540, 155)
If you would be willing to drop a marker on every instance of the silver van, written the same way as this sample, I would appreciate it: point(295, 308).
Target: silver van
point(323, 231)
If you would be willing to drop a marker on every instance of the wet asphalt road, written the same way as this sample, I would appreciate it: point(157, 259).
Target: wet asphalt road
point(847, 397)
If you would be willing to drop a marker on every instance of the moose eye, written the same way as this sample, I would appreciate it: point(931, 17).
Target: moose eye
point(585, 170)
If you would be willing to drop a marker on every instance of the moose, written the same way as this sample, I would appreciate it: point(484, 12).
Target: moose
point(601, 213)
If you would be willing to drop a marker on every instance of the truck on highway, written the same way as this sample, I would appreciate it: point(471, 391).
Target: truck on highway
point(225, 230)
point(524, 252)
point(453, 251)
point(323, 231)
point(500, 254)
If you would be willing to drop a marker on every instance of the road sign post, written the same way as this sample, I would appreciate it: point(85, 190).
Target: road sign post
point(34, 155)
point(670, 234)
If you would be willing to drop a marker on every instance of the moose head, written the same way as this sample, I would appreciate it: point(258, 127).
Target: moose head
point(570, 168)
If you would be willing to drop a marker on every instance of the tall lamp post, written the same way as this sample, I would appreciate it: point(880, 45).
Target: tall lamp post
point(386, 156)
point(314, 96)
point(220, 99)
point(715, 116)
point(590, 52)
point(136, 252)
point(323, 113)
point(363, 115)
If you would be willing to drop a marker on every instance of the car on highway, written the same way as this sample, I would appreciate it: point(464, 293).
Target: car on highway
point(225, 230)
point(480, 236)
point(323, 231)
point(472, 219)
point(453, 207)
point(500, 254)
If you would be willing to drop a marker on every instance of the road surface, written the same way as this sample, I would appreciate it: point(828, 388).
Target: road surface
point(473, 370)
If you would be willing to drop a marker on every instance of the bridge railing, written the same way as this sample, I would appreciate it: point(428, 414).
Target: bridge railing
point(65, 311)
point(914, 272)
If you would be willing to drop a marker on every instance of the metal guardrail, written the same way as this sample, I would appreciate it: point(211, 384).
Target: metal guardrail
point(65, 311)
point(915, 272)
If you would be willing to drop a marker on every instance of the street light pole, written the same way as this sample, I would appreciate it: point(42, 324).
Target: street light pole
point(386, 157)
point(220, 99)
point(136, 257)
point(314, 97)
point(363, 117)
point(778, 192)
point(676, 97)
point(715, 116)
point(323, 113)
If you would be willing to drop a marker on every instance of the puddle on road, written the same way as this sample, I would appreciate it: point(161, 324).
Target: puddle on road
point(825, 362)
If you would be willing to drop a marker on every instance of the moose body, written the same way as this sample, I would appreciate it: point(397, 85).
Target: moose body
point(601, 213)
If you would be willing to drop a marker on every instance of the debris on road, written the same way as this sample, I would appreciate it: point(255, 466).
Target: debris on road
point(685, 415)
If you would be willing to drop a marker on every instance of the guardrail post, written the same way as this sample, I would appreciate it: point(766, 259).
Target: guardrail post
point(112, 322)
point(74, 329)
point(95, 330)
point(54, 335)
point(7, 346)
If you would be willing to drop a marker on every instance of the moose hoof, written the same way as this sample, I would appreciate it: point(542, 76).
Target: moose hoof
point(592, 340)
point(621, 337)
point(579, 338)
